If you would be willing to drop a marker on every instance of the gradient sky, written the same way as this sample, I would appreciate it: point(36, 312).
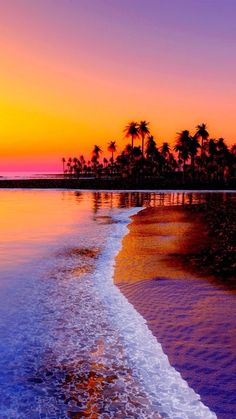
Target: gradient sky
point(74, 72)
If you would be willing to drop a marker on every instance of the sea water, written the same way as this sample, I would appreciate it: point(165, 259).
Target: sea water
point(71, 344)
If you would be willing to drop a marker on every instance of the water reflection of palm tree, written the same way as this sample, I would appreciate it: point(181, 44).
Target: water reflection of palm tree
point(96, 201)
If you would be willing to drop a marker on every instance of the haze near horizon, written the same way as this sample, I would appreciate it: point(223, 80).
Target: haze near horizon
point(73, 73)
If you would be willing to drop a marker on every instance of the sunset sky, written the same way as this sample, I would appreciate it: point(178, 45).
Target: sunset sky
point(74, 72)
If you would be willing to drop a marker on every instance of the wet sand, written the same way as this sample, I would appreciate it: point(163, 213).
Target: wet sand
point(191, 315)
point(159, 240)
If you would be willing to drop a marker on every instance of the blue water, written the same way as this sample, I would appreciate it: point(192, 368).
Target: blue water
point(71, 343)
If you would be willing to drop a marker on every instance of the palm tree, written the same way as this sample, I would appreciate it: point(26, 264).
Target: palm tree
point(165, 149)
point(233, 160)
point(212, 165)
point(203, 133)
point(74, 164)
point(151, 148)
point(112, 149)
point(152, 155)
point(143, 132)
point(69, 166)
point(233, 150)
point(123, 163)
point(95, 157)
point(132, 130)
point(96, 152)
point(212, 149)
point(82, 162)
point(105, 162)
point(193, 149)
point(128, 150)
point(137, 153)
point(63, 164)
point(164, 156)
point(182, 147)
point(223, 156)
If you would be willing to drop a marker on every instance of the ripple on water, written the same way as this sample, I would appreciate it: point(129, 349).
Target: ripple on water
point(68, 359)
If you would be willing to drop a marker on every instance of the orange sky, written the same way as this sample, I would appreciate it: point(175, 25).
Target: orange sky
point(73, 75)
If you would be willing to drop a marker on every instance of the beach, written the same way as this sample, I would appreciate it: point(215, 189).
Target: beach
point(73, 344)
point(189, 310)
point(117, 209)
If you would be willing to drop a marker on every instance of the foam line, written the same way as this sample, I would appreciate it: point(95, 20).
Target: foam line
point(168, 391)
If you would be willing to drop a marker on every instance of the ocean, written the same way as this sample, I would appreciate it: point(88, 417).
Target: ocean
point(72, 345)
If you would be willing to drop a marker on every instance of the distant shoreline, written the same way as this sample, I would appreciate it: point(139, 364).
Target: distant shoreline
point(111, 184)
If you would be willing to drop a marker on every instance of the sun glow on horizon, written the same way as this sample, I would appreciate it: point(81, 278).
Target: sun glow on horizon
point(71, 78)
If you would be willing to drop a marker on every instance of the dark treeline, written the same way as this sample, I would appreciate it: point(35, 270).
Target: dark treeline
point(195, 158)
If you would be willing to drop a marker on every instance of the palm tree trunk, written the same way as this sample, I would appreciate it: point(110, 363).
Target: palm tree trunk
point(132, 141)
point(193, 166)
point(143, 145)
point(184, 170)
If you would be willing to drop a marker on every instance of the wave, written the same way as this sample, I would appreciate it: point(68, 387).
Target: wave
point(168, 392)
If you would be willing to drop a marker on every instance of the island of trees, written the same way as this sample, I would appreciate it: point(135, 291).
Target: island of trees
point(196, 158)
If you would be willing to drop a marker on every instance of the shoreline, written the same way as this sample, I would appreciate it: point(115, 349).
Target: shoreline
point(168, 392)
point(112, 184)
point(179, 305)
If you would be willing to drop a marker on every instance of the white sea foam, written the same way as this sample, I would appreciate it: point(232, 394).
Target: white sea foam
point(167, 390)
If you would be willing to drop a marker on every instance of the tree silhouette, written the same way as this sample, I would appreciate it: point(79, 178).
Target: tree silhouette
point(143, 132)
point(193, 149)
point(132, 131)
point(151, 148)
point(63, 164)
point(96, 152)
point(165, 149)
point(95, 157)
point(112, 149)
point(203, 133)
point(215, 163)
point(182, 148)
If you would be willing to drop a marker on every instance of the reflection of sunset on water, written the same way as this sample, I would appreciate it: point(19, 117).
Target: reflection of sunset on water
point(71, 342)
